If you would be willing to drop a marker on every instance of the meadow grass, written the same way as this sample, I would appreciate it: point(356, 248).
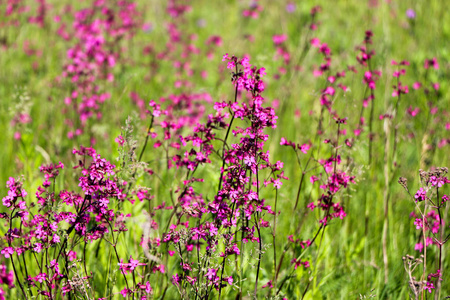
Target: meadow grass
point(349, 261)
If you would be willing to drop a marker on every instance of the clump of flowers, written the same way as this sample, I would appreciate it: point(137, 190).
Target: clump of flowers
point(237, 201)
point(97, 32)
point(55, 232)
point(430, 200)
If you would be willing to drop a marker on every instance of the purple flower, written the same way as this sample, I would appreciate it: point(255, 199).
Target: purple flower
point(290, 7)
point(211, 274)
point(418, 247)
point(429, 286)
point(124, 292)
point(410, 14)
point(421, 195)
point(7, 252)
point(176, 279)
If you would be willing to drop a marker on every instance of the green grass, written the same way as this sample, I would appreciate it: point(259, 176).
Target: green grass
point(350, 259)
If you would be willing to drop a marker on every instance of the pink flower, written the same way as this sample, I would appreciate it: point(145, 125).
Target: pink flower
point(311, 206)
point(56, 238)
point(421, 195)
point(120, 140)
point(37, 247)
point(7, 252)
point(268, 284)
point(72, 255)
point(431, 62)
point(416, 85)
point(279, 39)
point(434, 110)
point(429, 286)
point(40, 277)
point(277, 183)
point(147, 287)
point(176, 280)
point(418, 223)
point(315, 42)
point(304, 148)
point(412, 112)
point(418, 247)
point(125, 292)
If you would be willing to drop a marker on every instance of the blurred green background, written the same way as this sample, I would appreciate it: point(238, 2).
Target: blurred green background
point(350, 260)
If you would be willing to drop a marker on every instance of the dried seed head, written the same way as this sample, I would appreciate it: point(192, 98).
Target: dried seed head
point(403, 182)
point(442, 171)
point(423, 176)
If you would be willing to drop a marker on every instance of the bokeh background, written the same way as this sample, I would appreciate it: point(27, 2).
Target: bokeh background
point(172, 52)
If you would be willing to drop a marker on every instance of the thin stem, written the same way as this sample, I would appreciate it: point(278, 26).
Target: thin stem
point(274, 241)
point(115, 251)
point(221, 274)
point(146, 138)
point(299, 189)
point(259, 257)
point(12, 258)
point(371, 125)
point(225, 141)
point(386, 196)
point(306, 289)
point(437, 294)
point(424, 272)
point(372, 106)
point(17, 277)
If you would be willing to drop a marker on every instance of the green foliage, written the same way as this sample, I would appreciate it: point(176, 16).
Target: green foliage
point(349, 262)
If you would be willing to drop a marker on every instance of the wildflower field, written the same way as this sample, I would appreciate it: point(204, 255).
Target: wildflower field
point(194, 149)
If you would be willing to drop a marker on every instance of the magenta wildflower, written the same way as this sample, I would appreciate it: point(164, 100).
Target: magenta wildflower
point(125, 292)
point(421, 195)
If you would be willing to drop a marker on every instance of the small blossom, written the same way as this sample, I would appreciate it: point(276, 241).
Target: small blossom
point(410, 14)
point(421, 195)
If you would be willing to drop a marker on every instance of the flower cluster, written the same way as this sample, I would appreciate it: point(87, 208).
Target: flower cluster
point(399, 88)
point(97, 31)
point(371, 76)
point(238, 197)
point(63, 220)
point(430, 223)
